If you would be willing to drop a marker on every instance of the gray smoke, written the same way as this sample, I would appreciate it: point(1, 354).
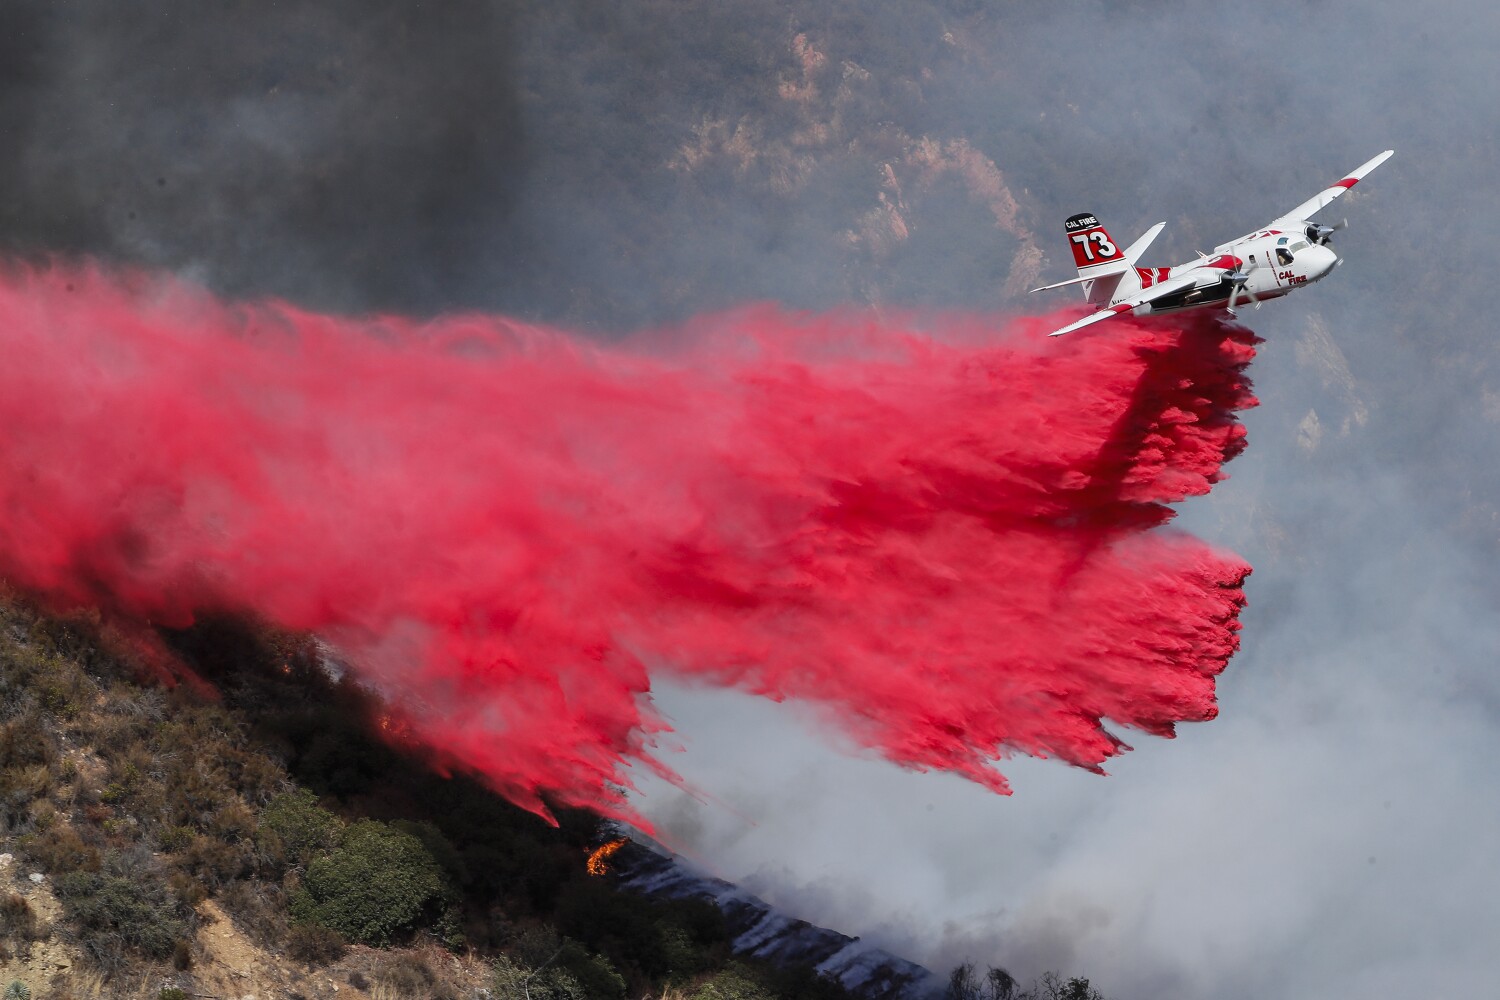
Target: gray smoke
point(343, 153)
point(604, 166)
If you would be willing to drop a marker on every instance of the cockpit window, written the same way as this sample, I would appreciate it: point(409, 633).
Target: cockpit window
point(1281, 242)
point(1283, 256)
point(1299, 245)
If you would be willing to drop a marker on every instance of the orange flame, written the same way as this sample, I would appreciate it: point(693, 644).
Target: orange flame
point(601, 855)
point(394, 729)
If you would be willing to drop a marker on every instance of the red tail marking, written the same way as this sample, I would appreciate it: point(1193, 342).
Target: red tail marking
point(1093, 247)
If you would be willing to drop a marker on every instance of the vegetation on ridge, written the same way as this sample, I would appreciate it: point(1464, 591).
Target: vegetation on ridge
point(263, 792)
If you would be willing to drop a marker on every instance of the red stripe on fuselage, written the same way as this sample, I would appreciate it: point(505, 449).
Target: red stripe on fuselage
point(1152, 275)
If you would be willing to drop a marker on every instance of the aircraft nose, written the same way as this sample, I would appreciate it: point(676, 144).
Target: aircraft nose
point(1320, 260)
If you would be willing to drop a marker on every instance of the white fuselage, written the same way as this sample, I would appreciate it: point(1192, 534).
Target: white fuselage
point(1274, 261)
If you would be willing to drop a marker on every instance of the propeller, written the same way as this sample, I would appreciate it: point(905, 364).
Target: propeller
point(1237, 280)
point(1320, 234)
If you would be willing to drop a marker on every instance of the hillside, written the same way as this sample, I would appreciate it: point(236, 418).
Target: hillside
point(232, 828)
point(240, 833)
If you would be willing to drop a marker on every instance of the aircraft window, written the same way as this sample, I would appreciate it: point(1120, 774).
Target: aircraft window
point(1283, 256)
point(1299, 245)
point(1281, 242)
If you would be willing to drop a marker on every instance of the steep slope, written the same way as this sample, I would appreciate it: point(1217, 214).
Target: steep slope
point(159, 834)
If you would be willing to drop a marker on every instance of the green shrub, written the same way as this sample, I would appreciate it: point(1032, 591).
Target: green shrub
point(378, 885)
point(442, 851)
point(42, 814)
point(733, 983)
point(661, 938)
point(65, 691)
point(127, 829)
point(701, 919)
point(124, 906)
point(514, 981)
point(678, 952)
point(593, 972)
point(508, 979)
point(17, 990)
point(559, 966)
point(305, 828)
point(175, 839)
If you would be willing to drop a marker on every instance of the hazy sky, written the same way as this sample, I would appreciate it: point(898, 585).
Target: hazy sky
point(608, 165)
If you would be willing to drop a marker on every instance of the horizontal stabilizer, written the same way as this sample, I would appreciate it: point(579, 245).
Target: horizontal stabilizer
point(1171, 286)
point(1099, 273)
point(1091, 319)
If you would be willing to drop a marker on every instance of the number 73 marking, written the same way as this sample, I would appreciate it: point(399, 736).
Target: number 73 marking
point(1087, 241)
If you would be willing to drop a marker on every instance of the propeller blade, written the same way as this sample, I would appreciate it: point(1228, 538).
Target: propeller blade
point(1320, 234)
point(1237, 282)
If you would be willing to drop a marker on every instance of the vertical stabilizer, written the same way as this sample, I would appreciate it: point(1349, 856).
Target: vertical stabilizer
point(1100, 259)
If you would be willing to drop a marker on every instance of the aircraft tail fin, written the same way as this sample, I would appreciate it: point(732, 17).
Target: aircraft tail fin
point(1102, 266)
point(1093, 250)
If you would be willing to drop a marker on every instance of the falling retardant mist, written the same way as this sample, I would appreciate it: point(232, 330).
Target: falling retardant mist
point(946, 531)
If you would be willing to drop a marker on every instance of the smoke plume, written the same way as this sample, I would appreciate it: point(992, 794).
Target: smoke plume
point(936, 528)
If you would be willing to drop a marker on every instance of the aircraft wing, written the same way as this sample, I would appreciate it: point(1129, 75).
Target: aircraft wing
point(1169, 287)
point(1324, 197)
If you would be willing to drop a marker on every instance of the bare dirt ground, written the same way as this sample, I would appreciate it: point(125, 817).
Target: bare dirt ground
point(227, 964)
point(41, 960)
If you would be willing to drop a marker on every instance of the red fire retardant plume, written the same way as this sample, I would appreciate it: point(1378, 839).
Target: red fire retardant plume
point(939, 532)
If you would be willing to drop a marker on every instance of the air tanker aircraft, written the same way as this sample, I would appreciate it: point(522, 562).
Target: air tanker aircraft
point(1289, 253)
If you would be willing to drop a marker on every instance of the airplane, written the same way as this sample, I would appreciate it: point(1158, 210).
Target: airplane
point(1288, 253)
